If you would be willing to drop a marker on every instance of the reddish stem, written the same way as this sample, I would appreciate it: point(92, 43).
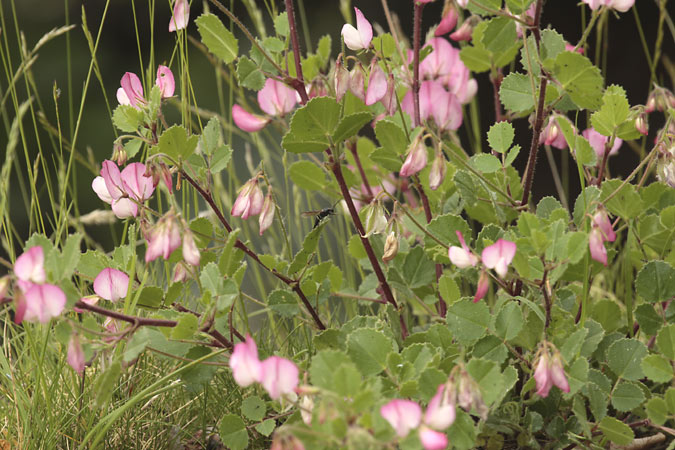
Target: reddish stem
point(417, 31)
point(298, 82)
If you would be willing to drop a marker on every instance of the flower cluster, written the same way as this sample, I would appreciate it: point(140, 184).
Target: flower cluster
point(34, 298)
point(166, 236)
point(252, 202)
point(124, 190)
point(131, 90)
point(279, 376)
point(497, 256)
point(549, 371)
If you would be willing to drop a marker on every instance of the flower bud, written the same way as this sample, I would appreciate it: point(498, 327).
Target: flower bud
point(416, 159)
point(180, 273)
point(4, 286)
point(376, 221)
point(438, 169)
point(377, 84)
point(597, 246)
point(665, 172)
point(119, 154)
point(542, 374)
point(463, 33)
point(306, 407)
point(191, 253)
point(390, 247)
point(601, 220)
point(389, 99)
point(641, 124)
point(356, 82)
point(482, 288)
point(75, 355)
point(342, 80)
point(250, 200)
point(267, 214)
point(558, 373)
point(449, 20)
point(462, 256)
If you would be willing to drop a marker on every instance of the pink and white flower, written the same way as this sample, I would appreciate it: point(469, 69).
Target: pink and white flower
point(498, 256)
point(131, 91)
point(244, 362)
point(448, 21)
point(432, 439)
point(29, 267)
point(462, 256)
point(165, 81)
point(250, 200)
point(377, 84)
point(358, 38)
point(440, 413)
point(267, 214)
point(279, 376)
point(416, 159)
point(276, 99)
point(163, 238)
point(247, 121)
point(599, 142)
point(619, 5)
point(402, 415)
point(596, 244)
point(75, 356)
point(111, 284)
point(39, 302)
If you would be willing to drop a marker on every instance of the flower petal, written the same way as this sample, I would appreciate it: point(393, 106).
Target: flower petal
point(30, 265)
point(247, 121)
point(111, 284)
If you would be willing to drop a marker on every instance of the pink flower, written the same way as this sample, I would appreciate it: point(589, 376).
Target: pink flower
point(432, 440)
point(163, 239)
point(462, 256)
point(276, 99)
point(416, 159)
point(597, 246)
point(267, 214)
point(250, 200)
point(165, 81)
point(552, 135)
point(75, 356)
point(181, 15)
point(40, 302)
point(377, 84)
point(131, 92)
point(137, 184)
point(446, 108)
point(440, 413)
point(111, 284)
point(119, 188)
point(542, 375)
point(448, 22)
point(482, 288)
point(30, 266)
point(279, 376)
point(558, 373)
point(463, 33)
point(570, 48)
point(247, 121)
point(601, 221)
point(358, 38)
point(191, 253)
point(498, 256)
point(462, 3)
point(244, 362)
point(402, 415)
point(619, 5)
point(439, 62)
point(599, 142)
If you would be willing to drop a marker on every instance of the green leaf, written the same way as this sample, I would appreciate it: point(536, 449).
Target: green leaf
point(475, 59)
point(650, 322)
point(577, 375)
point(211, 279)
point(312, 126)
point(368, 348)
point(283, 303)
point(580, 79)
point(387, 158)
point(418, 270)
point(500, 136)
point(127, 118)
point(512, 155)
point(666, 341)
point(657, 410)
point(499, 35)
point(106, 383)
point(175, 143)
point(211, 136)
point(552, 43)
point(670, 400)
point(627, 203)
point(391, 136)
point(266, 427)
point(70, 257)
point(186, 327)
point(624, 357)
point(616, 431)
point(309, 245)
point(350, 125)
point(462, 433)
point(218, 39)
point(509, 321)
point(488, 376)
point(307, 175)
point(657, 368)
point(613, 112)
point(249, 75)
point(281, 24)
point(656, 281)
point(444, 227)
point(485, 163)
point(136, 345)
point(468, 321)
point(490, 347)
point(515, 93)
point(347, 380)
point(233, 432)
point(518, 6)
point(485, 7)
point(221, 158)
point(448, 289)
point(253, 408)
point(627, 396)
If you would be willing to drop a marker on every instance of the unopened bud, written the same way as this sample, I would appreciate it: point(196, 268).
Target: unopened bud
point(376, 221)
point(463, 33)
point(119, 154)
point(267, 214)
point(641, 124)
point(191, 253)
point(306, 407)
point(651, 103)
point(342, 80)
point(180, 273)
point(437, 173)
point(390, 247)
point(357, 81)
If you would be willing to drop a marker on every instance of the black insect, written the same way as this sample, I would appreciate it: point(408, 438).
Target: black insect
point(320, 214)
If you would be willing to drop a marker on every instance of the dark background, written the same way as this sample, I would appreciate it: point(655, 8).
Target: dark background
point(118, 53)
